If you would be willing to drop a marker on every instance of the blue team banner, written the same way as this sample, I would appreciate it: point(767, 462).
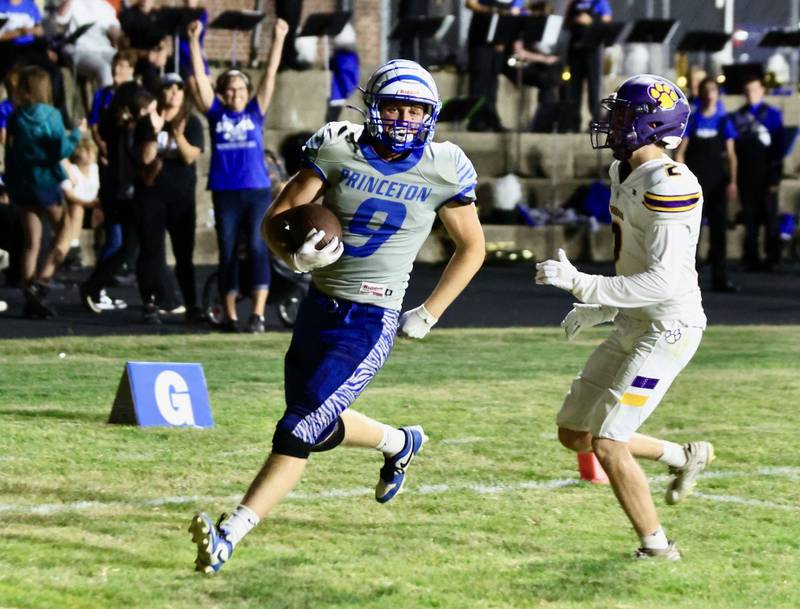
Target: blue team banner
point(162, 394)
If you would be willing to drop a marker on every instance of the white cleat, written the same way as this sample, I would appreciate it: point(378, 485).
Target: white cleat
point(699, 456)
point(669, 553)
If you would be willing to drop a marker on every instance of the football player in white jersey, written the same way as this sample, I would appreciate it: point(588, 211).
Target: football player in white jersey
point(654, 302)
point(386, 181)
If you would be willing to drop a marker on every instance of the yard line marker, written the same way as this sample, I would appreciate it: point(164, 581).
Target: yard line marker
point(424, 489)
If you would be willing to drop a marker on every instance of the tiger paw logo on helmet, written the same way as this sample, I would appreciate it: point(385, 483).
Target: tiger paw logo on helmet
point(664, 95)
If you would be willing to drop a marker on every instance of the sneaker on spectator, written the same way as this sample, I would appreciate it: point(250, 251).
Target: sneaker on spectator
point(106, 303)
point(90, 301)
point(36, 304)
point(176, 310)
point(195, 315)
point(256, 325)
point(150, 314)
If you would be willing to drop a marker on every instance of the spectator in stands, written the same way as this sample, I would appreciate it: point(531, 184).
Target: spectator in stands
point(130, 102)
point(539, 67)
point(36, 144)
point(171, 137)
point(709, 151)
point(81, 189)
point(485, 61)
point(759, 149)
point(92, 52)
point(585, 57)
point(238, 178)
point(140, 23)
point(153, 63)
point(22, 43)
point(122, 71)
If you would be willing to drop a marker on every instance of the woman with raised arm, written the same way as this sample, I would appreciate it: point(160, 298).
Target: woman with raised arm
point(237, 178)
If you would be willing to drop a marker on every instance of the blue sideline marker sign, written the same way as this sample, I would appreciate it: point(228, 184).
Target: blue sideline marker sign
point(162, 394)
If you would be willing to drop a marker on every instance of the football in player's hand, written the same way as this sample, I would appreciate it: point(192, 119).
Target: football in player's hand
point(293, 225)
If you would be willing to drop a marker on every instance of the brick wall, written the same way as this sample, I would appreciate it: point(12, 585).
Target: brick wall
point(366, 20)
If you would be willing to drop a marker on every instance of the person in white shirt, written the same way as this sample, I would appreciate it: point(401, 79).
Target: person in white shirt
point(93, 51)
point(654, 302)
point(80, 193)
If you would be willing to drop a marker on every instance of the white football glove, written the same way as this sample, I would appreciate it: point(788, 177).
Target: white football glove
point(585, 316)
point(559, 273)
point(308, 257)
point(416, 323)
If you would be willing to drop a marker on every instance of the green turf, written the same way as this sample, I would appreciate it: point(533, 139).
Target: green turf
point(83, 523)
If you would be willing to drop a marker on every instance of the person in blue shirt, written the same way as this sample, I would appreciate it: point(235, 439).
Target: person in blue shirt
point(22, 43)
point(584, 58)
point(759, 148)
point(709, 151)
point(237, 177)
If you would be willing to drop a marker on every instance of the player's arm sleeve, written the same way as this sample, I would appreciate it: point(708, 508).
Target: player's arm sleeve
point(667, 244)
point(672, 208)
point(463, 177)
point(317, 153)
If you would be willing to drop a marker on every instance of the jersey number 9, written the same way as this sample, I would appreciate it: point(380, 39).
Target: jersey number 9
point(362, 224)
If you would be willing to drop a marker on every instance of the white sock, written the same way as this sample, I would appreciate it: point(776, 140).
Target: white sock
point(239, 524)
point(655, 541)
point(75, 243)
point(674, 455)
point(394, 440)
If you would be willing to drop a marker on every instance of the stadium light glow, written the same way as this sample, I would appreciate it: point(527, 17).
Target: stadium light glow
point(721, 78)
point(565, 75)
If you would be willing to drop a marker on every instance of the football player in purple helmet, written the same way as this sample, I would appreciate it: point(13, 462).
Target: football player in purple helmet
point(644, 110)
point(653, 300)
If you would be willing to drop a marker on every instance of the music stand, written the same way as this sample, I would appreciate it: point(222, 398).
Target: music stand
point(738, 73)
point(603, 33)
point(173, 20)
point(325, 26)
point(238, 21)
point(780, 38)
point(652, 31)
point(704, 42)
point(416, 28)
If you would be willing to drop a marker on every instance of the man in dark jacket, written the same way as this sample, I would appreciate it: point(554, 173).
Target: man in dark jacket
point(759, 149)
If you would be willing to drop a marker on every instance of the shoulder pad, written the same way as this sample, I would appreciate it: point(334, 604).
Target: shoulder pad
point(452, 164)
point(672, 188)
point(333, 133)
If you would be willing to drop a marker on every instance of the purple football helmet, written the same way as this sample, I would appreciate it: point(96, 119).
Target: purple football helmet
point(645, 109)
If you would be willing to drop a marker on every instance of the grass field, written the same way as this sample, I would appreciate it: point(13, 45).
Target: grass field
point(94, 515)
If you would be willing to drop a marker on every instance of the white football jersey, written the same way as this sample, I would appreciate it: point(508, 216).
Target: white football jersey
point(656, 216)
point(386, 209)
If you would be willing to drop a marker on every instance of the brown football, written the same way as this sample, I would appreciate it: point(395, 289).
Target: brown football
point(293, 225)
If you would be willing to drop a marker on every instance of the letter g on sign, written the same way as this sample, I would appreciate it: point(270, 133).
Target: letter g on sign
point(173, 399)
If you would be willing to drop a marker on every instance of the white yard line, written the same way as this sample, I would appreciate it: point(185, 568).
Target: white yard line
point(487, 488)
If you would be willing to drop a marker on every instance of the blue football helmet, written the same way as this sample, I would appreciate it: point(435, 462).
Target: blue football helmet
point(405, 81)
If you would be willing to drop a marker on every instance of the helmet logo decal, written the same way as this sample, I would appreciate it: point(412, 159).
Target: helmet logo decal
point(664, 95)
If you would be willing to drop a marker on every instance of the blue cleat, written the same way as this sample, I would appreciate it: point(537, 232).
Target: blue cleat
point(213, 547)
point(393, 472)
